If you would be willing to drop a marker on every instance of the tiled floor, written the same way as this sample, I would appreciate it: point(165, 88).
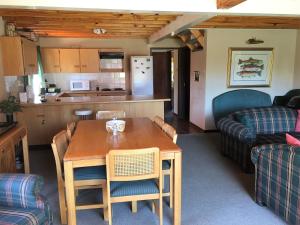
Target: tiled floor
point(181, 126)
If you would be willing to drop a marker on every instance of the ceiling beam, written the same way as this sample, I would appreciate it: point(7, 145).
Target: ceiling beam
point(227, 4)
point(181, 23)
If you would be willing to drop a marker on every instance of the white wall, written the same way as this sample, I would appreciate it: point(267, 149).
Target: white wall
point(297, 63)
point(175, 71)
point(218, 42)
point(197, 89)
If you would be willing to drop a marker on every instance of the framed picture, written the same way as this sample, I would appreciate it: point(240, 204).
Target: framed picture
point(249, 67)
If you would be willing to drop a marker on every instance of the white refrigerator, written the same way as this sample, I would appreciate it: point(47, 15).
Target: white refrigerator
point(142, 75)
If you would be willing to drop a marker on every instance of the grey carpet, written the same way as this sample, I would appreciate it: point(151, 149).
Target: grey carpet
point(215, 191)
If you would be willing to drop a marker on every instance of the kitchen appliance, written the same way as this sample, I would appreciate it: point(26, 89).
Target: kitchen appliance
point(79, 85)
point(142, 75)
point(111, 60)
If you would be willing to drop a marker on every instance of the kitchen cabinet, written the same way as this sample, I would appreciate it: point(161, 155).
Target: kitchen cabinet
point(69, 60)
point(89, 60)
point(50, 60)
point(8, 143)
point(19, 56)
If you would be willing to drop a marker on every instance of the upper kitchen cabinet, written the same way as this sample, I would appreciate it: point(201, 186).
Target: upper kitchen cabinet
point(89, 60)
point(69, 60)
point(50, 59)
point(19, 56)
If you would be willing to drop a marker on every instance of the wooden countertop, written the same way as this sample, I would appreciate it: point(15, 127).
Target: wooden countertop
point(94, 100)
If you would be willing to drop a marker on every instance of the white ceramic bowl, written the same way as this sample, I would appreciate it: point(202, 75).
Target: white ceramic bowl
point(120, 124)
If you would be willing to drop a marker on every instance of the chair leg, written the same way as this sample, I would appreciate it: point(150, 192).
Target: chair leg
point(109, 212)
point(62, 203)
point(153, 207)
point(171, 185)
point(161, 211)
point(134, 206)
point(105, 207)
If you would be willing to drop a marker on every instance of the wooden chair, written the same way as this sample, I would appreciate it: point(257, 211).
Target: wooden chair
point(159, 121)
point(167, 165)
point(84, 178)
point(110, 114)
point(70, 130)
point(132, 176)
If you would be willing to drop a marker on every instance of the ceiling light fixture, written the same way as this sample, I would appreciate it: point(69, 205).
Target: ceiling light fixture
point(99, 31)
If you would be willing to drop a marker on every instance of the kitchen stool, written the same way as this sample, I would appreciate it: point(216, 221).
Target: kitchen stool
point(83, 114)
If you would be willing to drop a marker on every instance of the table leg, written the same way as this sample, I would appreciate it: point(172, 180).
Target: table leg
point(177, 188)
point(25, 154)
point(70, 192)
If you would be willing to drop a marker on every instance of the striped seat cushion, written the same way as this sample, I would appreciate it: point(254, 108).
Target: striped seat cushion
point(166, 164)
point(18, 216)
point(129, 188)
point(89, 173)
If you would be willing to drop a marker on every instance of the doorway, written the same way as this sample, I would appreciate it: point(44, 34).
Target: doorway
point(171, 79)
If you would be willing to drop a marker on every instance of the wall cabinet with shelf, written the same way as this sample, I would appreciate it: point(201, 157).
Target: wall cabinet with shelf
point(73, 60)
point(19, 56)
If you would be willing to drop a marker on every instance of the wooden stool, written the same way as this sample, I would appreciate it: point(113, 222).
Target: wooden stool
point(83, 114)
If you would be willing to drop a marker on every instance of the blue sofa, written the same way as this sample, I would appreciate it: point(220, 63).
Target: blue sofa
point(21, 202)
point(277, 180)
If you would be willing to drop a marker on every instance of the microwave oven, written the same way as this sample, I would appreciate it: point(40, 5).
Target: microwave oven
point(79, 85)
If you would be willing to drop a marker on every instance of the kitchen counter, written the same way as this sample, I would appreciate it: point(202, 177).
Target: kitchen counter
point(58, 100)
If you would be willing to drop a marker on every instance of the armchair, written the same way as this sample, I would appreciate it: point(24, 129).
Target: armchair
point(21, 201)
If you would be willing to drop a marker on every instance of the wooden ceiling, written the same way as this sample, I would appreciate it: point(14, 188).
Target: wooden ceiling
point(54, 23)
point(226, 4)
point(255, 22)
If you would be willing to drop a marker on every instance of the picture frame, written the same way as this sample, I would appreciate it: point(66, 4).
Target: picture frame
point(250, 67)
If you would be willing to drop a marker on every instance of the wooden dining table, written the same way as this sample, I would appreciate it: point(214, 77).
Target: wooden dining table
point(91, 142)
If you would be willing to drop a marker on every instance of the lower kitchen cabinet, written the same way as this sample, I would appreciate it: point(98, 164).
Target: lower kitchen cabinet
point(10, 157)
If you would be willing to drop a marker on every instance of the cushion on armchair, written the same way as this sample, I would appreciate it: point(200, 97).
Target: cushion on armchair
point(20, 190)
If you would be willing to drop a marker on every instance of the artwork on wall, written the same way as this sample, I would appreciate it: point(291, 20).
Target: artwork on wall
point(249, 67)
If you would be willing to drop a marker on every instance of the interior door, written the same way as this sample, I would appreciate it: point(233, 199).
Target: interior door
point(69, 60)
point(162, 76)
point(89, 60)
point(184, 56)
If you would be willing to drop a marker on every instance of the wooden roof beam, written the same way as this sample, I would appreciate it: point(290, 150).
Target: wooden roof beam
point(227, 4)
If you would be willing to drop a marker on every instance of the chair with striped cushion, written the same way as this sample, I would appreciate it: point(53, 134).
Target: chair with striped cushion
point(132, 175)
point(110, 114)
point(70, 130)
point(167, 165)
point(84, 178)
point(21, 202)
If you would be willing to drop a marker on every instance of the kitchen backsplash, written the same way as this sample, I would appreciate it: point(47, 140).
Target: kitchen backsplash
point(103, 80)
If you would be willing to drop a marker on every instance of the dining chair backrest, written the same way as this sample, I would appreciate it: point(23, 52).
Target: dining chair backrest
point(170, 131)
point(110, 114)
point(70, 130)
point(133, 164)
point(59, 148)
point(159, 121)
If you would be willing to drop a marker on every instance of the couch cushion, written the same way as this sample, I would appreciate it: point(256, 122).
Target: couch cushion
point(268, 120)
point(278, 138)
point(17, 216)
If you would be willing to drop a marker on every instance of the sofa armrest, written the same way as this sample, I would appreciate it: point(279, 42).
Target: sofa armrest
point(276, 152)
point(21, 191)
point(235, 129)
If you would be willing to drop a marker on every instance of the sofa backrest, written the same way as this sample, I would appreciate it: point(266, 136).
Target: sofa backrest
point(233, 101)
point(268, 120)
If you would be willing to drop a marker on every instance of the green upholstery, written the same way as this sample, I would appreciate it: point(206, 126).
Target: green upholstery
point(232, 101)
point(129, 188)
point(88, 173)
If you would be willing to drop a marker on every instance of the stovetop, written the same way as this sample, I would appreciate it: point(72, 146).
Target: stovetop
point(4, 127)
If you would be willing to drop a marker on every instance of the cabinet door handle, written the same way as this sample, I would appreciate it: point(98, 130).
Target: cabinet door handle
point(84, 65)
point(76, 66)
point(31, 65)
point(56, 66)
